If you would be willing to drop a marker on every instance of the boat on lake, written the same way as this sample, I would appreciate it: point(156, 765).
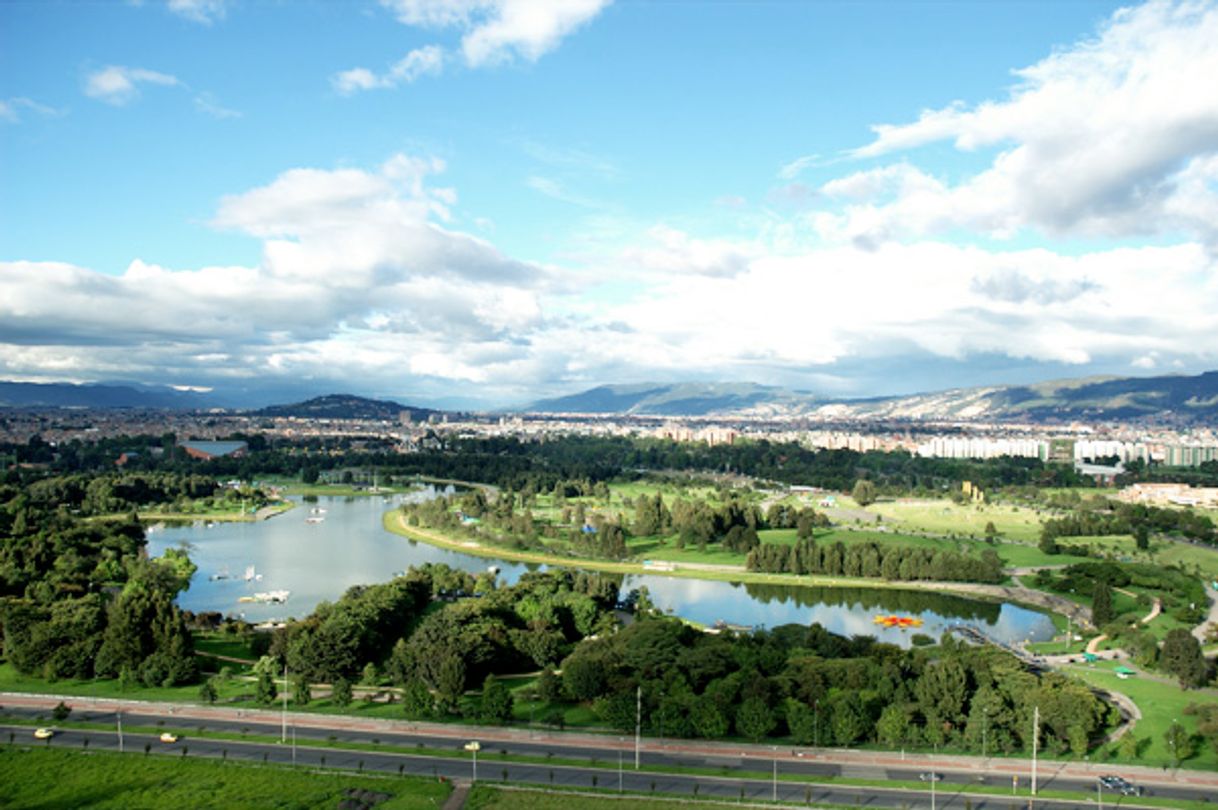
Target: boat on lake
point(267, 597)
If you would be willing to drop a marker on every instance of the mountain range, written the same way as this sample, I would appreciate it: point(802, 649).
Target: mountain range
point(1178, 398)
point(1191, 399)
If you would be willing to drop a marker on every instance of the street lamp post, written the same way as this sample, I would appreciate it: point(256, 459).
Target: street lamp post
point(283, 735)
point(619, 765)
point(473, 746)
point(120, 732)
point(816, 723)
point(774, 757)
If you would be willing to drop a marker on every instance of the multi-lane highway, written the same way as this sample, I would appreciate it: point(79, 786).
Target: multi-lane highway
point(726, 771)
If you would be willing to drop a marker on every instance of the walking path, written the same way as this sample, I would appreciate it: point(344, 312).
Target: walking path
point(1199, 631)
point(456, 799)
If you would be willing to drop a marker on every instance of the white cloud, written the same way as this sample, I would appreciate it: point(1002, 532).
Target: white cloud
point(201, 11)
point(207, 103)
point(500, 30)
point(793, 169)
point(426, 61)
point(119, 85)
point(10, 109)
point(1114, 136)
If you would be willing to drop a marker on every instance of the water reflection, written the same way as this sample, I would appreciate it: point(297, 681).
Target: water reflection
point(318, 560)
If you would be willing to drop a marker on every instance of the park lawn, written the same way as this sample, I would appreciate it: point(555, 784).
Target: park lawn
point(33, 778)
point(1161, 703)
point(1200, 559)
point(13, 681)
point(944, 516)
point(222, 644)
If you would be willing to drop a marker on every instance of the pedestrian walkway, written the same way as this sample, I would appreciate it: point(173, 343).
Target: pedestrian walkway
point(456, 799)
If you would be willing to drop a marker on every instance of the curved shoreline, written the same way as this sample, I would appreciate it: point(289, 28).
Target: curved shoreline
point(394, 522)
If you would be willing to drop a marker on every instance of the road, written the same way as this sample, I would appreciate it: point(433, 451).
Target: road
point(727, 762)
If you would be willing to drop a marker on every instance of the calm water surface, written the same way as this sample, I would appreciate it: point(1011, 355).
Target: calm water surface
point(318, 561)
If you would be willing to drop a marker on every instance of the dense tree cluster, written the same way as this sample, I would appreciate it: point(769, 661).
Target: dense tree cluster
point(869, 559)
point(78, 598)
point(1113, 517)
point(821, 688)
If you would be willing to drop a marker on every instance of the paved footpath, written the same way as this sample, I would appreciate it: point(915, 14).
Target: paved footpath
point(765, 754)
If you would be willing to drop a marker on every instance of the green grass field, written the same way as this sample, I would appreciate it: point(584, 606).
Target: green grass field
point(1161, 703)
point(1019, 523)
point(34, 778)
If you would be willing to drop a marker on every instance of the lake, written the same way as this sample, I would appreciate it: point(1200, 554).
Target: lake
point(317, 561)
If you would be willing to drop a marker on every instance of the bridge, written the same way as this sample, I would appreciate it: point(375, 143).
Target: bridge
point(976, 635)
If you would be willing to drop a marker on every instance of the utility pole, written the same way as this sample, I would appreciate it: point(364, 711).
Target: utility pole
point(638, 725)
point(1035, 745)
point(283, 734)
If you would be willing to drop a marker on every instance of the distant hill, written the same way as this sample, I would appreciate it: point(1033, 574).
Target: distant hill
point(1192, 399)
point(101, 395)
point(681, 399)
point(344, 406)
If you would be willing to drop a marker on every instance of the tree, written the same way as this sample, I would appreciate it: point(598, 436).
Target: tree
point(893, 726)
point(417, 702)
point(708, 721)
point(207, 691)
point(340, 692)
point(549, 687)
point(496, 703)
point(265, 690)
point(302, 693)
point(801, 721)
point(1178, 742)
point(1182, 657)
point(450, 683)
point(991, 531)
point(754, 719)
point(1101, 603)
point(863, 492)
point(1141, 537)
point(1128, 747)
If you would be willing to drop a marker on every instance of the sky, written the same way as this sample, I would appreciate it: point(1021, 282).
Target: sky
point(485, 202)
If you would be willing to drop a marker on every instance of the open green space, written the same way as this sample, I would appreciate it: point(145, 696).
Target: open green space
point(945, 517)
point(1162, 703)
point(43, 778)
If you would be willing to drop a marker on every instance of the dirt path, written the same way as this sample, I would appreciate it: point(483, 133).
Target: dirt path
point(1212, 619)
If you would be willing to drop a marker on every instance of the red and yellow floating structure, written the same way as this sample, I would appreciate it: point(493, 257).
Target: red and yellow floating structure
point(901, 622)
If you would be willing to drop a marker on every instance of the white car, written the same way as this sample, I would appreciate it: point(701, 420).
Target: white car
point(43, 734)
point(166, 737)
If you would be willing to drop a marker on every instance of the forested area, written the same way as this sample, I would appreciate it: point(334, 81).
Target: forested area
point(1106, 517)
point(516, 464)
point(870, 559)
point(80, 598)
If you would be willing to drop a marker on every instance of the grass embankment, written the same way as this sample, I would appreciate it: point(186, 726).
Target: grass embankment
point(1161, 704)
point(394, 523)
point(32, 778)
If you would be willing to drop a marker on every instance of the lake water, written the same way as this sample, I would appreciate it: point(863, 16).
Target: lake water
point(318, 561)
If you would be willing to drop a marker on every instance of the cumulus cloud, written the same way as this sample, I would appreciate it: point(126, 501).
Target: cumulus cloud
point(1114, 136)
point(358, 276)
point(119, 85)
point(426, 61)
point(201, 11)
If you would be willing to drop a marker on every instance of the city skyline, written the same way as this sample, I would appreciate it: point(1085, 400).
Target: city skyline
point(489, 202)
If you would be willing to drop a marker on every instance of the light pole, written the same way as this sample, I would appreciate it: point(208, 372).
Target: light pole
point(985, 727)
point(621, 744)
point(120, 732)
point(774, 757)
point(1099, 796)
point(816, 723)
point(473, 746)
point(933, 777)
point(1035, 746)
point(638, 724)
point(283, 735)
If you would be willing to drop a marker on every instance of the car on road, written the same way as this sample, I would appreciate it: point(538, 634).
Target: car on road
point(1131, 790)
point(166, 737)
point(1112, 782)
point(931, 776)
point(43, 734)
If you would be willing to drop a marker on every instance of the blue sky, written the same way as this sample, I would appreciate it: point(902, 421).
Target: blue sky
point(491, 201)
